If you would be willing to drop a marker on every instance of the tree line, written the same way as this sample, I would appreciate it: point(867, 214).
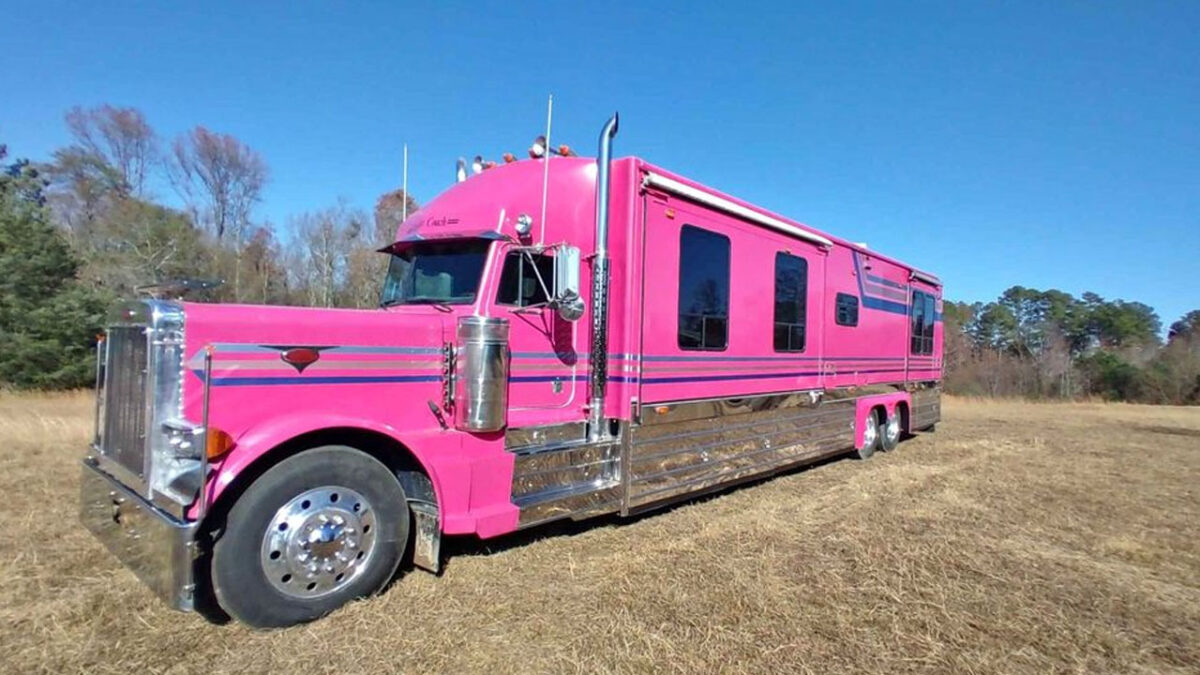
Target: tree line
point(86, 227)
point(94, 223)
point(1050, 344)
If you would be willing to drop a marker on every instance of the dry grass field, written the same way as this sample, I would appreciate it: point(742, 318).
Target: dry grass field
point(1017, 538)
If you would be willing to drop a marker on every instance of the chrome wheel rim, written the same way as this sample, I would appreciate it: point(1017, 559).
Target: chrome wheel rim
point(318, 542)
point(870, 432)
point(892, 431)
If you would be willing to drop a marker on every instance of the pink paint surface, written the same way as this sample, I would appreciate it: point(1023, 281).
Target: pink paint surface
point(378, 368)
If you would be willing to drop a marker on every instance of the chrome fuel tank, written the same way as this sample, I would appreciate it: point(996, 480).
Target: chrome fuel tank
point(481, 374)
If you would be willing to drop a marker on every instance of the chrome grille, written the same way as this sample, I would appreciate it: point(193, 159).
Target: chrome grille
point(123, 436)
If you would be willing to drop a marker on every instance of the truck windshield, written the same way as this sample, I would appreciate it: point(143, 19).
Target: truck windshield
point(435, 273)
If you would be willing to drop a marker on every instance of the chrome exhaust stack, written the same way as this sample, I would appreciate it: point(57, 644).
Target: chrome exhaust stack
point(598, 375)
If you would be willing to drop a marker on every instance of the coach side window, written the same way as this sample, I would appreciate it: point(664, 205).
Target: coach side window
point(922, 323)
point(930, 314)
point(847, 310)
point(703, 289)
point(791, 291)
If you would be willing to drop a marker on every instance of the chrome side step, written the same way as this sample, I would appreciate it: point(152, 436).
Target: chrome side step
point(569, 479)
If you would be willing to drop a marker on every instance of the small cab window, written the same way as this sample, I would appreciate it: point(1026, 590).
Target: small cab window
point(923, 313)
point(703, 289)
point(846, 313)
point(519, 283)
point(791, 291)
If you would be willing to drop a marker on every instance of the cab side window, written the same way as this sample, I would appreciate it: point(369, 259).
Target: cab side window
point(519, 284)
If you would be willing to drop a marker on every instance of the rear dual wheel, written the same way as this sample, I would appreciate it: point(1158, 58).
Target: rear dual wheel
point(879, 433)
point(317, 530)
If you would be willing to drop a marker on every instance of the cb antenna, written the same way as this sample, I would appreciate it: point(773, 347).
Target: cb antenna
point(546, 169)
point(404, 208)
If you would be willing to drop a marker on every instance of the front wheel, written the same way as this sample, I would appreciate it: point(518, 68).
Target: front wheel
point(315, 531)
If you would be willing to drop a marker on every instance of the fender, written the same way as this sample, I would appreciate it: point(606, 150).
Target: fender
point(471, 477)
point(256, 441)
point(863, 406)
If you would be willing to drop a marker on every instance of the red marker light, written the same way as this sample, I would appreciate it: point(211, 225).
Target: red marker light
point(509, 158)
point(300, 357)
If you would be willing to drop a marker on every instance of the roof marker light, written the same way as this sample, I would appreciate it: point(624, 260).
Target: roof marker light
point(538, 149)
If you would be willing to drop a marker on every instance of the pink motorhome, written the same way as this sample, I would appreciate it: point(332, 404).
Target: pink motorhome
point(559, 337)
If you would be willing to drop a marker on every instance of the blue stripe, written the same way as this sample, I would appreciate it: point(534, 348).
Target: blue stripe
point(564, 378)
point(317, 379)
point(781, 359)
point(885, 305)
point(722, 378)
point(886, 282)
point(879, 303)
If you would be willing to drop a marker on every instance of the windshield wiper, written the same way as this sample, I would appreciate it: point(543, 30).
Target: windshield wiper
point(440, 303)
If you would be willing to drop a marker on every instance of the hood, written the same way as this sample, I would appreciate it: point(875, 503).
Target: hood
point(262, 355)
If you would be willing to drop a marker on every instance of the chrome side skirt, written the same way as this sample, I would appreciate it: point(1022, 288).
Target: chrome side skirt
point(574, 480)
point(927, 408)
point(678, 450)
point(735, 441)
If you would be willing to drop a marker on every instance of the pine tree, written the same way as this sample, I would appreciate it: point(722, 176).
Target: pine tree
point(48, 321)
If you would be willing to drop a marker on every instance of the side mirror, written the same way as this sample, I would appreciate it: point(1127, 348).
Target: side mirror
point(567, 300)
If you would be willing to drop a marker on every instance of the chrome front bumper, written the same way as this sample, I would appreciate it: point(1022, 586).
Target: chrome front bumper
point(158, 548)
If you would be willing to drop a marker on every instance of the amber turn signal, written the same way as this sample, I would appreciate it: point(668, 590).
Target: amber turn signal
point(216, 443)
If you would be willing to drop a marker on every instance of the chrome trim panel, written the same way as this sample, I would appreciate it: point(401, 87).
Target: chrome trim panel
point(688, 451)
point(926, 408)
point(576, 481)
point(481, 374)
point(550, 435)
point(159, 549)
point(698, 409)
point(684, 448)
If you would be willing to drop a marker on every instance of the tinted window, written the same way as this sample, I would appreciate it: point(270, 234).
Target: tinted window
point(791, 291)
point(519, 283)
point(924, 311)
point(703, 289)
point(435, 272)
point(847, 310)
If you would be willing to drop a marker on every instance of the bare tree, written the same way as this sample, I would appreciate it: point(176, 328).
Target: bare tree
point(120, 137)
point(389, 211)
point(324, 238)
point(221, 179)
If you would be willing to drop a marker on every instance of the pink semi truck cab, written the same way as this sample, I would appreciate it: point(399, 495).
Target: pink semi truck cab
point(558, 337)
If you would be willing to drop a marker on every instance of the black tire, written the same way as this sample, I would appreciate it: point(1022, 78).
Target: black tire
point(869, 448)
point(890, 433)
point(239, 561)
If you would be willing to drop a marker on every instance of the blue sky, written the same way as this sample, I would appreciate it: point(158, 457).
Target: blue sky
point(1042, 144)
